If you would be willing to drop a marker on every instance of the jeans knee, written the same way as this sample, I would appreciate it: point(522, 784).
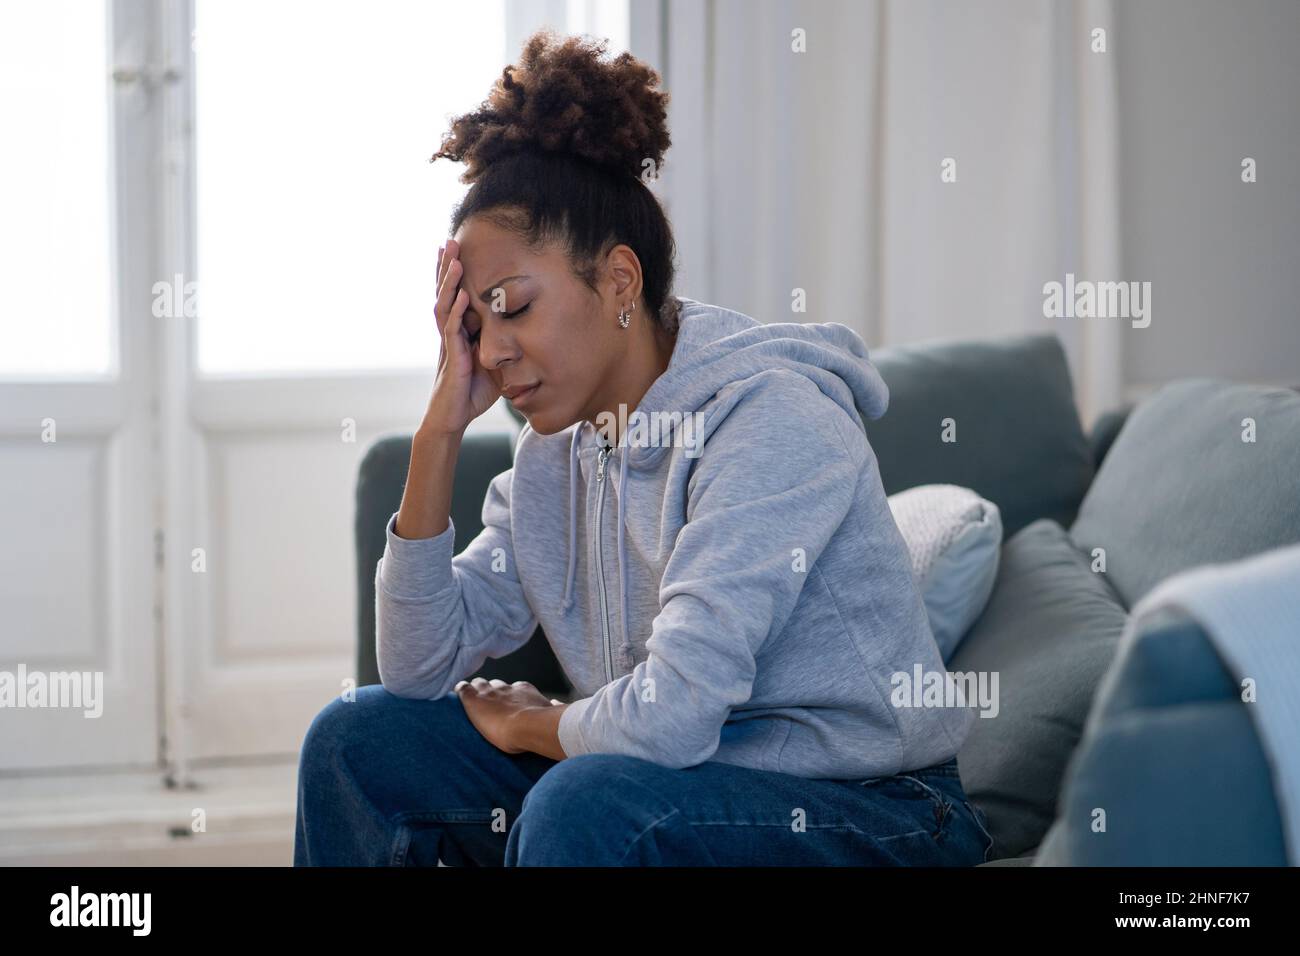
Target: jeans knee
point(586, 810)
point(326, 730)
point(577, 791)
point(343, 719)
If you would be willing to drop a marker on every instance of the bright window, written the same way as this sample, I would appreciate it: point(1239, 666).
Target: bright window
point(56, 304)
point(318, 212)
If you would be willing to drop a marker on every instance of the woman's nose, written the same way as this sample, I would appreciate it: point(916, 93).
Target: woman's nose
point(495, 347)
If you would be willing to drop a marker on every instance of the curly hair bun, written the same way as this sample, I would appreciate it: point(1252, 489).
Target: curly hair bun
point(563, 97)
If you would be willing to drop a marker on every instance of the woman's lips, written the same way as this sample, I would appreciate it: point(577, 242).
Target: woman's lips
point(524, 397)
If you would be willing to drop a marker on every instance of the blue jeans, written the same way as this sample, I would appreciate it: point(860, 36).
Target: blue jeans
point(392, 781)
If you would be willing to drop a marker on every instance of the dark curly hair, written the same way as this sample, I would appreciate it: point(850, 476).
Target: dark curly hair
point(558, 151)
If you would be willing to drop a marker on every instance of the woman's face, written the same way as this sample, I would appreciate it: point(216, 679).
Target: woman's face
point(550, 330)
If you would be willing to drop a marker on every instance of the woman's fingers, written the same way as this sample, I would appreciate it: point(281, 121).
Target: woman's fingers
point(443, 259)
point(447, 293)
point(437, 291)
point(448, 256)
point(448, 253)
point(453, 342)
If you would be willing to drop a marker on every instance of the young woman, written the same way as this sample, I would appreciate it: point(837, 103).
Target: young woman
point(695, 518)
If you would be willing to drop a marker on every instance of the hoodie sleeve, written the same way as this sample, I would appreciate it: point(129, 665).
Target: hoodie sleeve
point(439, 617)
point(775, 481)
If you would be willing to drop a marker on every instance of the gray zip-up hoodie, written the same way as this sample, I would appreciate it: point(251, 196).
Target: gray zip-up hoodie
point(728, 585)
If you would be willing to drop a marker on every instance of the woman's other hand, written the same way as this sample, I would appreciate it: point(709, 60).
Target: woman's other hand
point(491, 706)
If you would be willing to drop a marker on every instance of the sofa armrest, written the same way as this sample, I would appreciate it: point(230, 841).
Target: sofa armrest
point(1172, 755)
point(380, 482)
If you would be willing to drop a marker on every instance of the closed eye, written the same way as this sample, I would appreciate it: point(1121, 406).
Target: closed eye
point(473, 336)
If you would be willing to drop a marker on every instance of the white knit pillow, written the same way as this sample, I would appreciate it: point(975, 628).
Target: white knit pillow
point(954, 538)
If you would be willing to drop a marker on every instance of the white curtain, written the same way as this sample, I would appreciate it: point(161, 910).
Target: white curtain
point(820, 170)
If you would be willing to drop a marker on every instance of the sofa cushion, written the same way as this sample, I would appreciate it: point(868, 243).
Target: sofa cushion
point(1048, 633)
point(1180, 488)
point(1171, 754)
point(1019, 442)
point(1104, 431)
point(954, 538)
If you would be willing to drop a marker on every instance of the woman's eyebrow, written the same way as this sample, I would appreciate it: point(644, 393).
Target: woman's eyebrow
point(486, 294)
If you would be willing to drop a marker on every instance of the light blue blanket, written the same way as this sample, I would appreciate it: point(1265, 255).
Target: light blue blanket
point(1250, 611)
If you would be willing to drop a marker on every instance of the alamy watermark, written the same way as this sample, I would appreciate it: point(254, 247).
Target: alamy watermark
point(176, 298)
point(75, 908)
point(61, 689)
point(1100, 300)
point(657, 429)
point(922, 688)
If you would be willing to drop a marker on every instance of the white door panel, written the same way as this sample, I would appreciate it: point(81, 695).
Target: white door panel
point(76, 594)
point(313, 259)
point(78, 513)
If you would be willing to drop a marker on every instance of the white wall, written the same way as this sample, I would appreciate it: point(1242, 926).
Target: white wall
point(820, 170)
point(1201, 85)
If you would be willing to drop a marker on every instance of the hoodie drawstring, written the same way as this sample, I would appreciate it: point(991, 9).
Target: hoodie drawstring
point(622, 551)
point(573, 521)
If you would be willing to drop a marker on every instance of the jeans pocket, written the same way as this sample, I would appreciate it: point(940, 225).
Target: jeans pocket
point(907, 785)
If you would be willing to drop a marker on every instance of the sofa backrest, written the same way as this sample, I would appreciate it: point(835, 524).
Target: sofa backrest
point(1019, 441)
point(1182, 485)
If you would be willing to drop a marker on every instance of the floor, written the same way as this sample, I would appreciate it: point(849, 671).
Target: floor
point(236, 816)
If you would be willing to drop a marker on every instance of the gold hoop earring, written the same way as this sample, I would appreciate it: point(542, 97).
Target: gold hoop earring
point(625, 315)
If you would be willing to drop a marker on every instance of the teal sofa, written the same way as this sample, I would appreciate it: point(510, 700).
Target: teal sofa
point(1149, 490)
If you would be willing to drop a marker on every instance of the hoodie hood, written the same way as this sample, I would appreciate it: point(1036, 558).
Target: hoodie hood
point(716, 347)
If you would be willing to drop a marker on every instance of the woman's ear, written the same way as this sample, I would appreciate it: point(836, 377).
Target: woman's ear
point(625, 272)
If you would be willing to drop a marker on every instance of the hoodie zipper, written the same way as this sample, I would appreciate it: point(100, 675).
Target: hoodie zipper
point(600, 567)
